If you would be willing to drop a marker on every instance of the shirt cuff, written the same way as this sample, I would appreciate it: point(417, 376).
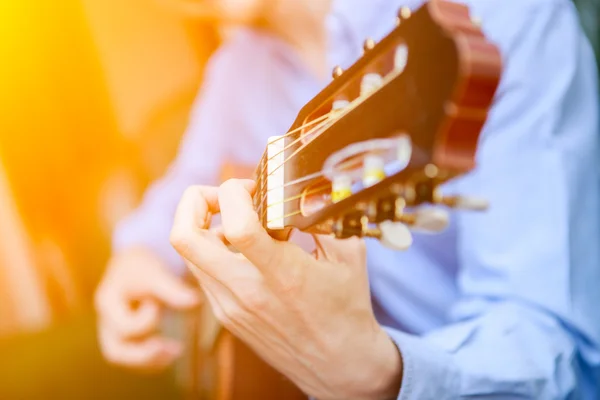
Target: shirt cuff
point(428, 372)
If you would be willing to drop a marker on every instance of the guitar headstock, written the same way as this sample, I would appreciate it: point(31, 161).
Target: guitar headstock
point(382, 137)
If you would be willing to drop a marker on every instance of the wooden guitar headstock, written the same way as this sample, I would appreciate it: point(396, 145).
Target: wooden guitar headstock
point(384, 134)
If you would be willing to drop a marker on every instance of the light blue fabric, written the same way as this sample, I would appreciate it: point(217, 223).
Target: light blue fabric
point(504, 304)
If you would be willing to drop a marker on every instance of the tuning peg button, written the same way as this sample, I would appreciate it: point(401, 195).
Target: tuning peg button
point(463, 202)
point(400, 58)
point(431, 220)
point(337, 72)
point(368, 44)
point(339, 105)
point(404, 13)
point(370, 83)
point(394, 235)
point(341, 188)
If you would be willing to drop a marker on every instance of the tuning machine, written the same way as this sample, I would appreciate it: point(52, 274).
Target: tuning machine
point(429, 219)
point(393, 235)
point(428, 190)
point(466, 203)
point(368, 45)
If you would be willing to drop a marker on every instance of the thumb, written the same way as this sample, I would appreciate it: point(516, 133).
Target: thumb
point(172, 291)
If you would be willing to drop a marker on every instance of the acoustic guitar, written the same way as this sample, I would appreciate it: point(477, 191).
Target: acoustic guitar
point(366, 157)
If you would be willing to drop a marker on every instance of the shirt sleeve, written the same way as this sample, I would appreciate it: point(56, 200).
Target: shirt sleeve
point(525, 325)
point(199, 159)
point(254, 86)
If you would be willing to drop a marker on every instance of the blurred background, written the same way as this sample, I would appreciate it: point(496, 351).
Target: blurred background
point(94, 97)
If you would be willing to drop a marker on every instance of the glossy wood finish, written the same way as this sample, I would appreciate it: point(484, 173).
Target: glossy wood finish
point(441, 100)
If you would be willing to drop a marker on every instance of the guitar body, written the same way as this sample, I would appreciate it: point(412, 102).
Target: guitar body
point(241, 375)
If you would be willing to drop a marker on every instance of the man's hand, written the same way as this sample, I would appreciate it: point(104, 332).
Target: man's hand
point(310, 318)
point(129, 300)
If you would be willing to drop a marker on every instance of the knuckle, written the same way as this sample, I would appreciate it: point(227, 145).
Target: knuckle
point(230, 315)
point(220, 315)
point(290, 282)
point(253, 299)
point(180, 239)
point(239, 234)
point(192, 191)
point(290, 286)
point(229, 184)
point(101, 300)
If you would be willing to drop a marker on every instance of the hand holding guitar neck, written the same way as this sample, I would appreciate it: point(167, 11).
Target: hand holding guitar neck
point(365, 158)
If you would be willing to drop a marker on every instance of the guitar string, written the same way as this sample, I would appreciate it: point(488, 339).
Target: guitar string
point(338, 114)
point(316, 175)
point(285, 216)
point(321, 121)
point(262, 157)
point(293, 131)
point(357, 101)
point(296, 197)
point(341, 112)
point(262, 193)
point(264, 163)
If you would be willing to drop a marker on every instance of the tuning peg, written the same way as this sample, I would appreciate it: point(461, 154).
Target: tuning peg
point(339, 105)
point(393, 235)
point(337, 72)
point(370, 83)
point(341, 188)
point(431, 220)
point(476, 21)
point(400, 58)
point(368, 45)
point(463, 202)
point(373, 170)
point(404, 13)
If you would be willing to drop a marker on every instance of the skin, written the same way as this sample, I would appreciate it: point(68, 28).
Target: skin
point(130, 300)
point(310, 318)
point(300, 23)
point(137, 286)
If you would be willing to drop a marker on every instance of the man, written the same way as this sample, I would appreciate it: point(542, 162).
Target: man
point(255, 84)
point(501, 306)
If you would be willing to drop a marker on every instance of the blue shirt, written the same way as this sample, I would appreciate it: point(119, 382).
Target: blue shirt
point(503, 305)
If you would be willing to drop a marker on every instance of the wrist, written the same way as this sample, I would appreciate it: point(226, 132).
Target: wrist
point(376, 370)
point(384, 369)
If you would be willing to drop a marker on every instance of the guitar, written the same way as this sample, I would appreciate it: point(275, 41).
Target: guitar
point(366, 157)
